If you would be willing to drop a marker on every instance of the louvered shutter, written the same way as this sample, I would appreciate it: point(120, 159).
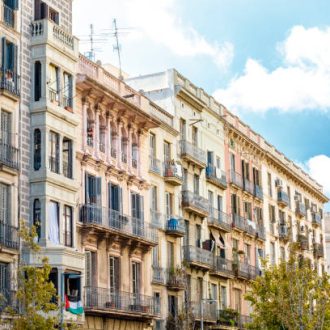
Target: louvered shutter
point(98, 191)
point(4, 53)
point(87, 197)
point(141, 208)
point(120, 199)
point(110, 206)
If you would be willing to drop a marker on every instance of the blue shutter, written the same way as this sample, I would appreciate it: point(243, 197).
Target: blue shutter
point(98, 191)
point(120, 199)
point(4, 53)
point(133, 206)
point(86, 189)
point(141, 208)
point(109, 196)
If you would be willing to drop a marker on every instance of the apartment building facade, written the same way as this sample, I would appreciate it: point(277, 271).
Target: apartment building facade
point(241, 199)
point(10, 98)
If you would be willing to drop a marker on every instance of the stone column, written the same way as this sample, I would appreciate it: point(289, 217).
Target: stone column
point(97, 133)
point(84, 123)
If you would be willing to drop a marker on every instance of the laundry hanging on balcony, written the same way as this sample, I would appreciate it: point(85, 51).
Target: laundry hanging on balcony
point(73, 306)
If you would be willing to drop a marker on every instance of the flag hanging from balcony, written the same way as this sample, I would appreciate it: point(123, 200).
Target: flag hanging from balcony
point(74, 307)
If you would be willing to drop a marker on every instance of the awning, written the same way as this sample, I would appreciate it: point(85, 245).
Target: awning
point(216, 236)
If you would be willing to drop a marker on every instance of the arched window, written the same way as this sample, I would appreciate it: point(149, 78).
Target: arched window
point(37, 149)
point(37, 217)
point(37, 81)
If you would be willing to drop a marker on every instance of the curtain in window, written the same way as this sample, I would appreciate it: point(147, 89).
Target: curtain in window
point(53, 224)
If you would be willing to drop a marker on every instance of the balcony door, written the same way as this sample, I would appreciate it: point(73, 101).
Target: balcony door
point(114, 278)
point(210, 158)
point(5, 128)
point(136, 283)
point(115, 205)
point(170, 255)
point(167, 151)
point(93, 190)
point(195, 136)
point(152, 145)
point(137, 206)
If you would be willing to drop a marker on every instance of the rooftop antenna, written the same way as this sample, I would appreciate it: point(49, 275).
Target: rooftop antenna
point(91, 38)
point(116, 47)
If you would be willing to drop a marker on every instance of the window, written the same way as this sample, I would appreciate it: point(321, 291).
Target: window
point(42, 10)
point(182, 129)
point(168, 204)
point(5, 133)
point(248, 210)
point(9, 59)
point(53, 84)
point(114, 277)
point(185, 179)
point(269, 183)
point(235, 204)
point(53, 225)
point(218, 162)
point(90, 268)
point(186, 233)
point(155, 256)
point(281, 215)
point(195, 136)
point(72, 288)
point(198, 236)
point(210, 158)
point(272, 213)
point(124, 144)
point(5, 204)
point(232, 163)
point(8, 12)
point(247, 248)
point(67, 90)
point(157, 302)
point(37, 81)
point(4, 280)
point(235, 250)
point(213, 292)
point(170, 255)
point(37, 149)
point(153, 193)
point(92, 189)
point(289, 196)
point(68, 226)
point(136, 273)
point(167, 151)
point(223, 297)
point(37, 217)
point(272, 253)
point(199, 293)
point(137, 214)
point(115, 197)
point(196, 184)
point(256, 177)
point(67, 158)
point(172, 305)
point(210, 198)
point(54, 160)
point(152, 142)
point(237, 300)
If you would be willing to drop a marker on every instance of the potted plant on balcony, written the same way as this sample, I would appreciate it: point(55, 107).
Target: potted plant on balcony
point(228, 317)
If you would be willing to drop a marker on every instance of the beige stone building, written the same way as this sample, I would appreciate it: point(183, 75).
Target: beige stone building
point(10, 92)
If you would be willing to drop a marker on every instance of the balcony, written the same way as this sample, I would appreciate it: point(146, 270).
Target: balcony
point(219, 220)
point(236, 179)
point(9, 237)
point(155, 165)
point(283, 232)
point(282, 198)
point(10, 83)
point(173, 173)
point(248, 186)
point(103, 219)
point(158, 275)
point(216, 176)
point(176, 279)
point(198, 257)
point(210, 314)
point(260, 232)
point(243, 270)
point(192, 202)
point(258, 193)
point(192, 154)
point(232, 319)
point(300, 209)
point(239, 223)
point(222, 267)
point(8, 299)
point(9, 156)
point(45, 31)
point(175, 227)
point(303, 240)
point(119, 304)
point(316, 219)
point(318, 250)
point(157, 219)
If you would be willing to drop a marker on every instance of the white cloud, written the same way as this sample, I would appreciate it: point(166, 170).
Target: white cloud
point(319, 167)
point(301, 82)
point(159, 22)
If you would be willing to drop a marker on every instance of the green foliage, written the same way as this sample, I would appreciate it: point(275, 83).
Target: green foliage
point(290, 296)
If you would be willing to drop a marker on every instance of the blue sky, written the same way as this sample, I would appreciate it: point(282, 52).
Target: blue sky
point(268, 61)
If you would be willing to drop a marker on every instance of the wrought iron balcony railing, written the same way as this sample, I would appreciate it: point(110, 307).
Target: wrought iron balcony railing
point(158, 274)
point(239, 222)
point(155, 165)
point(318, 250)
point(104, 299)
point(219, 219)
point(175, 226)
point(8, 155)
point(210, 313)
point(258, 193)
point(115, 220)
point(236, 179)
point(224, 266)
point(248, 186)
point(8, 16)
point(157, 219)
point(300, 209)
point(173, 172)
point(283, 198)
point(8, 234)
point(316, 218)
point(10, 81)
point(194, 254)
point(192, 152)
point(195, 203)
point(216, 176)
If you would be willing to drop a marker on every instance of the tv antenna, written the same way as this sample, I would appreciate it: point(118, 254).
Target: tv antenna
point(91, 54)
point(116, 47)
